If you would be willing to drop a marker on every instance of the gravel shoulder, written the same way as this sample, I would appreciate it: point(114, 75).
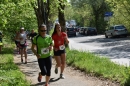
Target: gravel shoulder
point(74, 77)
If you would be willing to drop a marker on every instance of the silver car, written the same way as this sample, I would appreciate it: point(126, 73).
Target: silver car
point(116, 30)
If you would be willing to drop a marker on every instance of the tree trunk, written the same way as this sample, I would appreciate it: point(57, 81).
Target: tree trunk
point(42, 13)
point(46, 15)
point(96, 21)
point(61, 16)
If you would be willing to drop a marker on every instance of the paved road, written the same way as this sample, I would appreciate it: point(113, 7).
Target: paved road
point(117, 49)
point(73, 76)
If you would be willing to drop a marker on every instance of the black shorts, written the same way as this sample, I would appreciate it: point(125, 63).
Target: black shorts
point(59, 52)
point(45, 65)
point(0, 39)
point(23, 45)
point(17, 43)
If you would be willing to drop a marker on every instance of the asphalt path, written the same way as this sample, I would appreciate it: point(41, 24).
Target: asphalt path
point(116, 49)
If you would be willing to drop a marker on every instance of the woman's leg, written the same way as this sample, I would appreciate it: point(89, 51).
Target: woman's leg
point(63, 62)
point(58, 61)
point(19, 49)
point(21, 52)
point(57, 58)
point(16, 43)
point(25, 53)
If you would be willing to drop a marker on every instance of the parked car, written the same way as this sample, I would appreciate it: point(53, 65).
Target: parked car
point(90, 31)
point(71, 31)
point(81, 29)
point(77, 29)
point(116, 30)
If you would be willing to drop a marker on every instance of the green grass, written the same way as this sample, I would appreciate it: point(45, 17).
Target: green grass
point(99, 66)
point(10, 74)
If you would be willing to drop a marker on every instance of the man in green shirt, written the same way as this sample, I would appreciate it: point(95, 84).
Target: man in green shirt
point(41, 46)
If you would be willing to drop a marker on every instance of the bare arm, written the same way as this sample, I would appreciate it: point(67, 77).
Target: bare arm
point(51, 47)
point(33, 48)
point(66, 40)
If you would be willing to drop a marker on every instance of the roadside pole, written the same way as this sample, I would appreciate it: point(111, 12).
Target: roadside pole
point(107, 17)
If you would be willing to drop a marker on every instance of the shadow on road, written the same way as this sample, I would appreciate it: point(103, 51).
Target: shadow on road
point(51, 80)
point(111, 47)
point(100, 40)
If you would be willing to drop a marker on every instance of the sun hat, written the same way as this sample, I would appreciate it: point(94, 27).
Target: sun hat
point(22, 28)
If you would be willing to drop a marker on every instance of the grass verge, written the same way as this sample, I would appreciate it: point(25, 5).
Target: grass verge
point(99, 66)
point(10, 74)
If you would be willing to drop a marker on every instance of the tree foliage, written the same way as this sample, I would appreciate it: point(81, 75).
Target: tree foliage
point(25, 13)
point(121, 9)
point(97, 8)
point(90, 12)
point(16, 14)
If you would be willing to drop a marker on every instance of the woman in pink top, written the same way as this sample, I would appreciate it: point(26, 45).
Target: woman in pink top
point(60, 38)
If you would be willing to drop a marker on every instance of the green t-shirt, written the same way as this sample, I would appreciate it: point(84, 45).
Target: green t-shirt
point(43, 44)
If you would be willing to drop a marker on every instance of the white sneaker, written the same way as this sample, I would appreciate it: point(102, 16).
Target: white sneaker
point(62, 76)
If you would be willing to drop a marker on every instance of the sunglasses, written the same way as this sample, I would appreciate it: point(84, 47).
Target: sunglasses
point(43, 30)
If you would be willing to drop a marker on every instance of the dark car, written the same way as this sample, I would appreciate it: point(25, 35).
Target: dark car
point(90, 31)
point(71, 31)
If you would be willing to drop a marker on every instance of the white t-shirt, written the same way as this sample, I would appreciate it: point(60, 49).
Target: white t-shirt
point(23, 36)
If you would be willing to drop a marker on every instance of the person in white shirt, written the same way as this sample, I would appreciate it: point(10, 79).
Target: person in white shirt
point(23, 44)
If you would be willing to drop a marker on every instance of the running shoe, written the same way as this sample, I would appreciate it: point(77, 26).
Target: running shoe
point(39, 77)
point(62, 76)
point(56, 70)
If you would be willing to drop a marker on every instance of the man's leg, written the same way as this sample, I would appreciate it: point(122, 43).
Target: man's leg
point(47, 79)
point(48, 64)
